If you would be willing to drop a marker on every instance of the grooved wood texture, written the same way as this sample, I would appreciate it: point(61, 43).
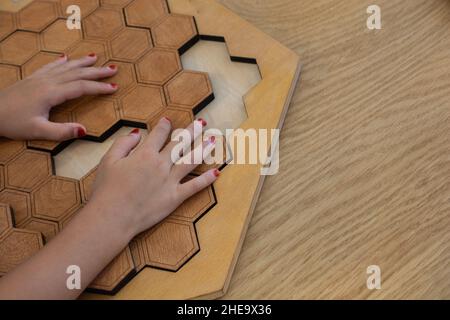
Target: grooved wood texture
point(19, 47)
point(10, 75)
point(58, 38)
point(130, 43)
point(145, 13)
point(38, 61)
point(36, 16)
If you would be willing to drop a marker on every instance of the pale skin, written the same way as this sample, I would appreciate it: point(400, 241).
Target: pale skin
point(136, 186)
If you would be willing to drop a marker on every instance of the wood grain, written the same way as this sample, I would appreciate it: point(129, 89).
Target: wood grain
point(364, 175)
point(130, 44)
point(19, 47)
point(174, 31)
point(58, 38)
point(158, 66)
point(145, 13)
point(36, 16)
point(103, 23)
point(6, 222)
point(10, 75)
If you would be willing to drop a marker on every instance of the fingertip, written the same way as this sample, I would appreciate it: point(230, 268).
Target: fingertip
point(80, 132)
point(215, 173)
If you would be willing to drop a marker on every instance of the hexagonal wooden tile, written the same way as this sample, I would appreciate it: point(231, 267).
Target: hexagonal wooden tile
point(193, 208)
point(85, 47)
point(130, 44)
point(87, 183)
point(86, 6)
point(138, 254)
point(17, 246)
point(56, 198)
point(158, 66)
point(58, 38)
point(98, 115)
point(36, 16)
point(189, 89)
point(179, 117)
point(103, 23)
point(142, 103)
point(6, 222)
point(7, 24)
point(52, 146)
point(118, 4)
point(176, 32)
point(48, 229)
point(10, 75)
point(37, 62)
point(2, 178)
point(27, 170)
point(170, 244)
point(9, 149)
point(125, 77)
point(20, 204)
point(19, 47)
point(115, 275)
point(145, 13)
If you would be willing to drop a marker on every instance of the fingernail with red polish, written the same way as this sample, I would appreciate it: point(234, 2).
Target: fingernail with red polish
point(203, 122)
point(112, 67)
point(62, 56)
point(167, 119)
point(81, 132)
point(114, 85)
point(216, 173)
point(135, 131)
point(212, 139)
point(92, 55)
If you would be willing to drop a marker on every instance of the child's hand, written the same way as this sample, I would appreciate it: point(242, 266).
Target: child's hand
point(134, 192)
point(25, 106)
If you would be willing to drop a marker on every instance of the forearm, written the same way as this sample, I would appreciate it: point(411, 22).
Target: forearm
point(90, 242)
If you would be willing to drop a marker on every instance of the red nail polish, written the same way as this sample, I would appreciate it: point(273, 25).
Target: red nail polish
point(62, 56)
point(216, 173)
point(212, 139)
point(203, 122)
point(81, 132)
point(92, 55)
point(114, 85)
point(168, 119)
point(135, 131)
point(112, 67)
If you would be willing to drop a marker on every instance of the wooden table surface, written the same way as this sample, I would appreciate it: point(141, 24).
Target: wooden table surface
point(365, 155)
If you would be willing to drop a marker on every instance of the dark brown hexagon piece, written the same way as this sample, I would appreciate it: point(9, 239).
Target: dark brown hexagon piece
point(180, 118)
point(20, 204)
point(36, 16)
point(87, 183)
point(176, 32)
point(103, 23)
point(2, 178)
point(86, 7)
point(58, 38)
point(52, 146)
point(38, 61)
point(7, 24)
point(189, 89)
point(130, 44)
point(98, 115)
point(9, 149)
point(142, 103)
point(124, 78)
point(170, 244)
point(17, 246)
point(115, 275)
point(6, 222)
point(10, 75)
point(19, 47)
point(193, 208)
point(145, 13)
point(158, 66)
point(48, 229)
point(86, 47)
point(27, 170)
point(56, 198)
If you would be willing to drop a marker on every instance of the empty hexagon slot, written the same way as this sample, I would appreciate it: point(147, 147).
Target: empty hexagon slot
point(231, 81)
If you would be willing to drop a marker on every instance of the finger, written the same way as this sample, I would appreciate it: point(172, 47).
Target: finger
point(88, 73)
point(195, 185)
point(76, 89)
point(192, 160)
point(176, 148)
point(86, 61)
point(50, 66)
point(122, 147)
point(159, 135)
point(53, 131)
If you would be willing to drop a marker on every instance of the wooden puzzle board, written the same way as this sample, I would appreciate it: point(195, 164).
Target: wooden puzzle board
point(173, 92)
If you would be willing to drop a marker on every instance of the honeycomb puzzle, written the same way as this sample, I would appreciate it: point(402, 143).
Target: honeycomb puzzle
point(145, 39)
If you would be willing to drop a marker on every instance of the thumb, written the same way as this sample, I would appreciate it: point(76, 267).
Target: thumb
point(60, 131)
point(123, 146)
